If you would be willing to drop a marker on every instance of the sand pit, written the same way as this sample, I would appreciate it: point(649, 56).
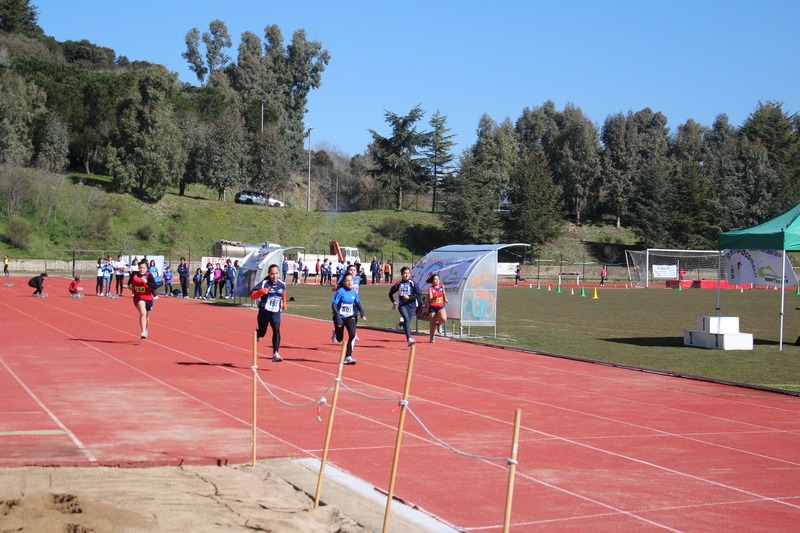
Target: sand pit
point(181, 499)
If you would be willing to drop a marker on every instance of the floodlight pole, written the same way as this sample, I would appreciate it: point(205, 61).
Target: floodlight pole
point(308, 199)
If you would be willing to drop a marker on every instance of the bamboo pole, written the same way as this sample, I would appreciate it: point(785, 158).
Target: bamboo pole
point(512, 469)
point(400, 424)
point(255, 393)
point(330, 424)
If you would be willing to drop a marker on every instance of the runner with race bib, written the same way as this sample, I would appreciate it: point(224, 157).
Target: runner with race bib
point(345, 303)
point(271, 295)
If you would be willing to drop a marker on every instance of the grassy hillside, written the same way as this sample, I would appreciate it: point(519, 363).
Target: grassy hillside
point(76, 211)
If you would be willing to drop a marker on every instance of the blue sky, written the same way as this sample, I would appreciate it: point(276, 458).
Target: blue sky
point(687, 59)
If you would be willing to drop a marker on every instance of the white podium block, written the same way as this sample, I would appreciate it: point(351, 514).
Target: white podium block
point(718, 324)
point(718, 341)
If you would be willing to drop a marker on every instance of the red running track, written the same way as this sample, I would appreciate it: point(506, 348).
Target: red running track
point(601, 449)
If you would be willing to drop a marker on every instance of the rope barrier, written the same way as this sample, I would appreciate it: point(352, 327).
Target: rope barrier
point(507, 460)
point(402, 403)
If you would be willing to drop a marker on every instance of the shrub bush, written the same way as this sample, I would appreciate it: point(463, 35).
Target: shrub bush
point(146, 232)
point(19, 233)
point(392, 227)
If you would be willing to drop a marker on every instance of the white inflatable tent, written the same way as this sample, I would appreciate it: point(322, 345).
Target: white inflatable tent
point(255, 266)
point(469, 275)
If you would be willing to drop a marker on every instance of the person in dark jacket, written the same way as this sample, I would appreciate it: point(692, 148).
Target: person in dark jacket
point(37, 283)
point(183, 273)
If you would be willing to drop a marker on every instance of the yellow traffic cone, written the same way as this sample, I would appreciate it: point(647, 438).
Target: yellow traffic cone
point(595, 294)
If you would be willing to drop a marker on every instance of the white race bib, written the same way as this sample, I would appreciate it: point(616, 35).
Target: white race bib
point(273, 304)
point(346, 310)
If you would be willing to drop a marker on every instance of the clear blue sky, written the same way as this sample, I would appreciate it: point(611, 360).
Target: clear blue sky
point(687, 59)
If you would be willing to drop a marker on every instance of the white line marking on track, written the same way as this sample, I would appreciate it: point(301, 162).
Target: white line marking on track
point(55, 419)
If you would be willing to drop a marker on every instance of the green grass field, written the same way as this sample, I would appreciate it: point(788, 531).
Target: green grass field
point(640, 327)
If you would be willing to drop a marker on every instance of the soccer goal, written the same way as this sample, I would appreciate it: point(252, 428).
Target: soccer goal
point(645, 266)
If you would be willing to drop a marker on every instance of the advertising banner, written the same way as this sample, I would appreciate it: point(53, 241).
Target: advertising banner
point(762, 267)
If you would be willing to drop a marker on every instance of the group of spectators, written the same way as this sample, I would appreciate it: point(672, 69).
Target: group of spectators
point(326, 270)
point(220, 281)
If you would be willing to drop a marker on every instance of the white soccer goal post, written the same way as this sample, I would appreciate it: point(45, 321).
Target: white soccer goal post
point(645, 266)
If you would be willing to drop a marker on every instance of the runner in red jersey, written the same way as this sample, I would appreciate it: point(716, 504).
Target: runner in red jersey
point(143, 285)
point(437, 299)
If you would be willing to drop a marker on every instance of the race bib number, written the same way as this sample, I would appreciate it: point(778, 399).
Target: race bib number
point(405, 290)
point(346, 310)
point(273, 304)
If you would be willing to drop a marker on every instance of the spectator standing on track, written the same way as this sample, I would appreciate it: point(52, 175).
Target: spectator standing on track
point(219, 280)
point(168, 280)
point(108, 275)
point(603, 274)
point(144, 285)
point(345, 303)
point(375, 270)
point(98, 289)
point(317, 269)
point(387, 272)
point(37, 283)
point(209, 279)
point(230, 279)
point(285, 268)
point(5, 266)
point(154, 271)
point(407, 295)
point(517, 275)
point(120, 267)
point(437, 300)
point(270, 294)
point(305, 273)
point(198, 284)
point(183, 275)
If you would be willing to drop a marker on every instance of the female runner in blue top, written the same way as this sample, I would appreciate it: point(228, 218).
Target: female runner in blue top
point(345, 303)
point(407, 294)
point(271, 296)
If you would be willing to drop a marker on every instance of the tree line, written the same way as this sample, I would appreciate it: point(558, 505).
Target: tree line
point(521, 180)
point(77, 105)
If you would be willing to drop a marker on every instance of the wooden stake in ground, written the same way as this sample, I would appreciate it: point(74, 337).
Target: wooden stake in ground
point(400, 424)
point(255, 393)
point(330, 423)
point(512, 469)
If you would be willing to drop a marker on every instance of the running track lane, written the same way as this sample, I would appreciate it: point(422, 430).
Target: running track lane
point(602, 449)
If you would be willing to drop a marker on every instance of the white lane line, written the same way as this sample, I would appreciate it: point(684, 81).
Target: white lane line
point(55, 419)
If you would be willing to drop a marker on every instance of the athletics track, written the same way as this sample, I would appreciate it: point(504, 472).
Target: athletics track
point(601, 448)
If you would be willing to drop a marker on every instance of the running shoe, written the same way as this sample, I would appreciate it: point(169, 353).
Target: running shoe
point(276, 358)
point(432, 339)
point(144, 334)
point(356, 338)
point(399, 325)
point(333, 337)
point(349, 360)
point(411, 341)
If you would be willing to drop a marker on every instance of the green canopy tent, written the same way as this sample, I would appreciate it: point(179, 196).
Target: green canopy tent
point(779, 233)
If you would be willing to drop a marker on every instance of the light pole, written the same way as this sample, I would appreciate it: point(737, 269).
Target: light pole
point(262, 116)
point(308, 200)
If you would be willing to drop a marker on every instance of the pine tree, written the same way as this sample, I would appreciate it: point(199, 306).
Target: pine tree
point(438, 153)
point(534, 215)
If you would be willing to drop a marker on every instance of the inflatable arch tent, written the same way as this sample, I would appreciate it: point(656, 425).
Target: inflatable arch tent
point(255, 265)
point(469, 275)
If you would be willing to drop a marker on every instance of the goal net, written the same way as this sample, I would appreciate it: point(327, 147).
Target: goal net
point(655, 265)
